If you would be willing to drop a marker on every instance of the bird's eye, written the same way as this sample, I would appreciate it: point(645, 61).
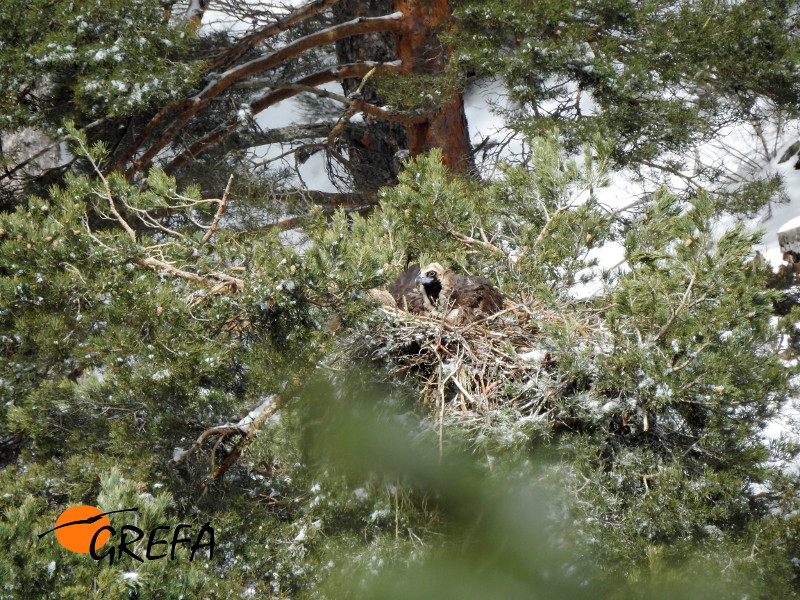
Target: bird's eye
point(431, 273)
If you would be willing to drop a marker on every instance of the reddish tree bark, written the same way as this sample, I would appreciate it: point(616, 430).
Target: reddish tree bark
point(417, 47)
point(421, 51)
point(409, 33)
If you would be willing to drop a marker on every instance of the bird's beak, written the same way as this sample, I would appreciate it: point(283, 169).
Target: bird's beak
point(424, 280)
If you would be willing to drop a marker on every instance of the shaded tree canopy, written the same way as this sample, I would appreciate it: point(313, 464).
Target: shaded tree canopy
point(200, 100)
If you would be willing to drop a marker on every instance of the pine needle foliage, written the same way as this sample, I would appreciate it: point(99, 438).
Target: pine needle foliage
point(652, 77)
point(83, 61)
point(638, 416)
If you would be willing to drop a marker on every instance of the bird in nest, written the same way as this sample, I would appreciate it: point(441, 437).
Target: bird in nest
point(434, 291)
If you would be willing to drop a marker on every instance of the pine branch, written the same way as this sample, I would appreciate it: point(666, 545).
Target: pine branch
point(108, 196)
point(222, 203)
point(470, 241)
point(297, 222)
point(218, 83)
point(292, 133)
point(356, 103)
point(218, 282)
point(302, 14)
point(8, 172)
point(270, 99)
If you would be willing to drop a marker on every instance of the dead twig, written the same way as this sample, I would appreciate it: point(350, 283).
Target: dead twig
point(220, 210)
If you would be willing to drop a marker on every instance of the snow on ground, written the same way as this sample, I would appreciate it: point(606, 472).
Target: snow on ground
point(757, 154)
point(780, 214)
point(785, 427)
point(749, 153)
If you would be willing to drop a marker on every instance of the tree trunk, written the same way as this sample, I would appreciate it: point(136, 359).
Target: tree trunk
point(375, 157)
point(418, 47)
point(421, 51)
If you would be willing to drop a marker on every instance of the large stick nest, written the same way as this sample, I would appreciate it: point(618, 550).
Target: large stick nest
point(501, 361)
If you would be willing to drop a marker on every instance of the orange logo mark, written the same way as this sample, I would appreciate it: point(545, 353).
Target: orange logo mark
point(85, 521)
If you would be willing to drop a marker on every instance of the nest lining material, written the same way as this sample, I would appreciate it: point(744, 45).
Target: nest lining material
point(500, 361)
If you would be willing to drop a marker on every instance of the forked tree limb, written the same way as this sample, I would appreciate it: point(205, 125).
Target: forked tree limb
point(470, 241)
point(270, 99)
point(253, 422)
point(215, 280)
point(256, 419)
point(244, 427)
point(219, 83)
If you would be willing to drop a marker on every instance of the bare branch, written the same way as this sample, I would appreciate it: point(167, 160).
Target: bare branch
point(300, 15)
point(355, 103)
point(292, 133)
point(257, 418)
point(253, 420)
point(220, 210)
point(219, 282)
point(469, 241)
point(270, 99)
point(108, 195)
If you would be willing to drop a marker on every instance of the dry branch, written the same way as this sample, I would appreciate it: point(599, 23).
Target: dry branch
point(218, 282)
point(222, 203)
point(296, 132)
point(469, 241)
point(245, 428)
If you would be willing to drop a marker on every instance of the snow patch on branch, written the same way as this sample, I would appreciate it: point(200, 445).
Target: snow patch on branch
point(243, 427)
point(255, 415)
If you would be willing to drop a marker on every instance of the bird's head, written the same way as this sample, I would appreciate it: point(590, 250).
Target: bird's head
point(430, 277)
point(430, 274)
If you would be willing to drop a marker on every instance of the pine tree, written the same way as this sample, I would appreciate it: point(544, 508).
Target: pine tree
point(153, 355)
point(654, 78)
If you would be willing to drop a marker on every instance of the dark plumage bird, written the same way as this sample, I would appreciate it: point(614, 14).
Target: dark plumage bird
point(409, 295)
point(460, 298)
point(433, 289)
